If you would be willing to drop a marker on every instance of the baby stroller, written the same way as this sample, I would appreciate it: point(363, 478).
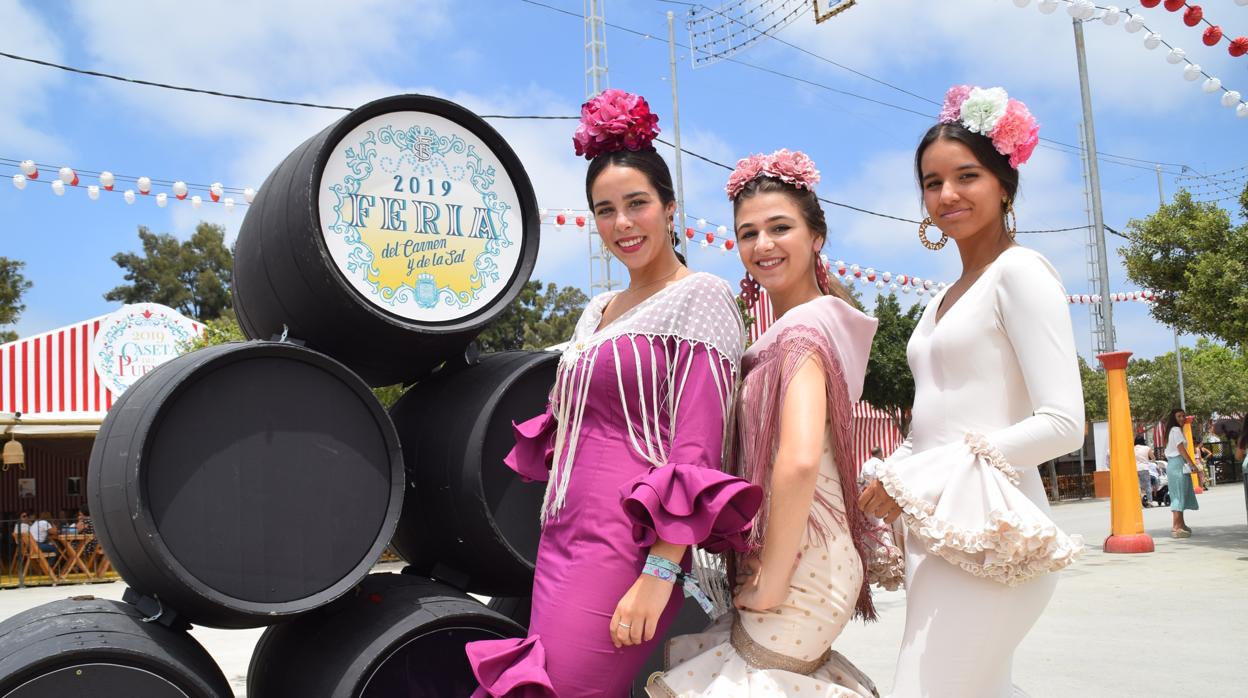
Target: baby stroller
point(1161, 486)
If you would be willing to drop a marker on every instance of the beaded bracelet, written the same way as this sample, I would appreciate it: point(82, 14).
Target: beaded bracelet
point(668, 571)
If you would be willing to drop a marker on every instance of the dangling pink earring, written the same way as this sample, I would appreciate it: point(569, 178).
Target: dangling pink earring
point(749, 290)
point(821, 275)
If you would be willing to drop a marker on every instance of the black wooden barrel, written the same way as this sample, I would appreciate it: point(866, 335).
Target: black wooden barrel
point(468, 519)
point(85, 647)
point(394, 635)
point(389, 239)
point(244, 483)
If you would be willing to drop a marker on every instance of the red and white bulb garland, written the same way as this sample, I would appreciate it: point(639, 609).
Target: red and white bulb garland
point(68, 177)
point(1193, 15)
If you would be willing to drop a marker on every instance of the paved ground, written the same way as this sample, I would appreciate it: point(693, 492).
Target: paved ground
point(1119, 626)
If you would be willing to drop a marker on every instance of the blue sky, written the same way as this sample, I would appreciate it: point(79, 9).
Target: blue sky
point(513, 57)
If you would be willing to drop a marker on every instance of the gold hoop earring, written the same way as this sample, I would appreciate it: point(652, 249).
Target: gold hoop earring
point(1011, 220)
point(944, 238)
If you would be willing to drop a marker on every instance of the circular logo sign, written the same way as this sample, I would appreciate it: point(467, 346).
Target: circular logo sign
point(420, 216)
point(136, 339)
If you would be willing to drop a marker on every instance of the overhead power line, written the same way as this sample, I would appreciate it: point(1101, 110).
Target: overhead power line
point(851, 207)
point(1121, 160)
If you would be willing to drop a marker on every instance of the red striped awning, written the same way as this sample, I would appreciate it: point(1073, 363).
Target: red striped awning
point(52, 372)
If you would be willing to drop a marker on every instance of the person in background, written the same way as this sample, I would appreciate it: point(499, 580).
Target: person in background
point(22, 526)
point(45, 533)
point(1179, 467)
point(1157, 474)
point(85, 526)
point(1143, 461)
point(1241, 452)
point(868, 472)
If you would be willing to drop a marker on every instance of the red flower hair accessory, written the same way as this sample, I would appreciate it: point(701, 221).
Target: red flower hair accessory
point(612, 121)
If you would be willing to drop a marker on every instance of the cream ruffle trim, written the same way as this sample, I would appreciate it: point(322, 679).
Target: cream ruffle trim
point(1013, 545)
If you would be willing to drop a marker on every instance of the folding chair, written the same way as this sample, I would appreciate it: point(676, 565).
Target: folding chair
point(36, 556)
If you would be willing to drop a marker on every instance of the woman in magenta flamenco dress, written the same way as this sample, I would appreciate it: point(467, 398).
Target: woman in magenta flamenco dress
point(631, 444)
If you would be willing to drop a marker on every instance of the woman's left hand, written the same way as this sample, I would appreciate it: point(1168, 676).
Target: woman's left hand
point(875, 501)
point(636, 617)
point(761, 593)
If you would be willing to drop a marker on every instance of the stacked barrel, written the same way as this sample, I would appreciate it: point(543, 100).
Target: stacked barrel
point(257, 483)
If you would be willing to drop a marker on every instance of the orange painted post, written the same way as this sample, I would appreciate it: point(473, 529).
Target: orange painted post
point(1191, 451)
point(1125, 512)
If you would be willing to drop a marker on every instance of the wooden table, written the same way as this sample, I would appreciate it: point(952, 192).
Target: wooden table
point(72, 546)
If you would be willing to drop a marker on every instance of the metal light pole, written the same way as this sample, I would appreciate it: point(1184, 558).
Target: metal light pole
point(679, 223)
point(1094, 176)
point(596, 78)
point(1178, 351)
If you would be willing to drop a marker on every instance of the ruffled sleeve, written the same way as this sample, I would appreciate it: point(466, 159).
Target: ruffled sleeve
point(510, 668)
point(689, 500)
point(535, 447)
point(689, 504)
point(963, 502)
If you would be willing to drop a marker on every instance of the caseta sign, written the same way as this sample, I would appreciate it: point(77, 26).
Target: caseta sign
point(419, 215)
point(136, 339)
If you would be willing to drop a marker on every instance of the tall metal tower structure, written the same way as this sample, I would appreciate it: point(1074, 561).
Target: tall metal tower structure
point(1105, 339)
point(1093, 252)
point(596, 80)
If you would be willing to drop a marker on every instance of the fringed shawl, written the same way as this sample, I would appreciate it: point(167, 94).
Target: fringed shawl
point(697, 310)
point(839, 337)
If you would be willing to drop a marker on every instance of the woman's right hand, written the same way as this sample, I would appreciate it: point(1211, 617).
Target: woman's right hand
point(757, 591)
point(875, 501)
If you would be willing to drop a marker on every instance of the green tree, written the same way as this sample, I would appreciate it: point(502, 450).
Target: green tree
point(1095, 391)
point(889, 385)
point(1190, 254)
point(1215, 379)
point(536, 319)
point(193, 277)
point(13, 285)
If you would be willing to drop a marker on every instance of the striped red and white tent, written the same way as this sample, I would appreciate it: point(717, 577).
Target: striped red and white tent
point(872, 426)
point(53, 372)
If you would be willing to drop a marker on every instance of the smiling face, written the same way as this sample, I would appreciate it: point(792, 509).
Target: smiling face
point(963, 197)
point(632, 219)
point(776, 245)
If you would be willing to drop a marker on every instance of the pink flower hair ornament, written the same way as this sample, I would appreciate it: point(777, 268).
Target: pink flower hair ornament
point(612, 121)
point(991, 113)
point(791, 166)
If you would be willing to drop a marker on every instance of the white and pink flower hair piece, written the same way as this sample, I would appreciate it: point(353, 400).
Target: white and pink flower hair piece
point(793, 167)
point(615, 120)
point(990, 112)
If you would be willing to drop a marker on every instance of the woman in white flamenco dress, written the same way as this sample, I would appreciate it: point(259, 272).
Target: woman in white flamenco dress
point(997, 393)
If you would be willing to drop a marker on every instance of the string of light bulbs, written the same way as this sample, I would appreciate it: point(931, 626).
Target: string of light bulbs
point(1086, 10)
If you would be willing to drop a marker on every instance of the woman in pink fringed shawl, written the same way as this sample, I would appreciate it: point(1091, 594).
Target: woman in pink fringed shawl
point(812, 551)
point(632, 442)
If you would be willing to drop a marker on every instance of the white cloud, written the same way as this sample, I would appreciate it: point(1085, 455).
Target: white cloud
point(1030, 53)
point(27, 88)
